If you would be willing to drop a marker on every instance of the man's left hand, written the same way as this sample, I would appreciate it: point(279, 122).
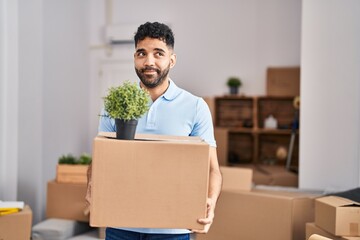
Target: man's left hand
point(210, 217)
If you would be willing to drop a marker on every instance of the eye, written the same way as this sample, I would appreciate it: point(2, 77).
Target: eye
point(140, 54)
point(160, 54)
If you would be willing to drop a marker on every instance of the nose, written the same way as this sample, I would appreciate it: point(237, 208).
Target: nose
point(150, 60)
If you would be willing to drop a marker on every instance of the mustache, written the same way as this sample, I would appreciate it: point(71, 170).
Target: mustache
point(151, 69)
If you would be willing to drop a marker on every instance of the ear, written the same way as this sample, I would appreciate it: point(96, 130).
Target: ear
point(172, 60)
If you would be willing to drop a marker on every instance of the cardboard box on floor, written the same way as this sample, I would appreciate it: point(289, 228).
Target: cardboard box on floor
point(339, 216)
point(66, 201)
point(261, 214)
point(311, 228)
point(16, 225)
point(160, 182)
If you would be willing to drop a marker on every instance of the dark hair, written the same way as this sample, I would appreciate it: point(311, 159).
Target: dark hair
point(155, 30)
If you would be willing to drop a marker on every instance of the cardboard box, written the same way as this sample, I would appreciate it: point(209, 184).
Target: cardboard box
point(283, 81)
point(311, 229)
point(66, 173)
point(160, 182)
point(66, 201)
point(16, 225)
point(339, 216)
point(235, 178)
point(221, 137)
point(280, 176)
point(261, 214)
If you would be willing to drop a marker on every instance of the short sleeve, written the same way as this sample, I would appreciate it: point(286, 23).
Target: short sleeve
point(203, 125)
point(106, 124)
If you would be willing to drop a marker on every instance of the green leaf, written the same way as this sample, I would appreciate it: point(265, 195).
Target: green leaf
point(127, 101)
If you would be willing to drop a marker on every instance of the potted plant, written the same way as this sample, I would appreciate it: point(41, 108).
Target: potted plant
point(126, 104)
point(234, 83)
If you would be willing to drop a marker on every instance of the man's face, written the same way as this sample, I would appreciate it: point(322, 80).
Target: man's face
point(153, 60)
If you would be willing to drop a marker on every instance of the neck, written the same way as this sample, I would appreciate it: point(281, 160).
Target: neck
point(159, 90)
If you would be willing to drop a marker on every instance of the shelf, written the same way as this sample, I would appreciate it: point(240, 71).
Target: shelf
point(234, 112)
point(248, 141)
point(275, 131)
point(262, 131)
point(241, 130)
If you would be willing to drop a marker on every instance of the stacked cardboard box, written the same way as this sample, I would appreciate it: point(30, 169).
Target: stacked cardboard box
point(66, 194)
point(66, 201)
point(67, 173)
point(283, 81)
point(336, 218)
point(312, 228)
point(16, 225)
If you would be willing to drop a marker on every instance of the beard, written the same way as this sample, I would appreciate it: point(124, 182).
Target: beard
point(152, 81)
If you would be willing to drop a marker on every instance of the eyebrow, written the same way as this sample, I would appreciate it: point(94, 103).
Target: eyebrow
point(140, 50)
point(156, 49)
point(160, 50)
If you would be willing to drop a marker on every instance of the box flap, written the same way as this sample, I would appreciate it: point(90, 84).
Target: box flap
point(156, 137)
point(338, 201)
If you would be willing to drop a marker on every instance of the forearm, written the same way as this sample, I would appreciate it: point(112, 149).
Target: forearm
point(215, 183)
point(215, 178)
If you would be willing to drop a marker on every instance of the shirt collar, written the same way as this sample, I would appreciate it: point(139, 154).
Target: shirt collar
point(172, 92)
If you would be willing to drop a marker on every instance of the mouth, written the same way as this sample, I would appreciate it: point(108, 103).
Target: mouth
point(150, 70)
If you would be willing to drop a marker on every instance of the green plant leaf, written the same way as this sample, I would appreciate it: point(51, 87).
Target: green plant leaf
point(234, 82)
point(67, 159)
point(84, 159)
point(127, 101)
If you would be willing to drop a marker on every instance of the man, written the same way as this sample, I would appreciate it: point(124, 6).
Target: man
point(173, 111)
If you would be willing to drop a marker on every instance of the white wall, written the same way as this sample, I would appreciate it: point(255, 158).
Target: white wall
point(30, 127)
point(2, 99)
point(213, 40)
point(216, 39)
point(9, 78)
point(330, 95)
point(53, 92)
point(66, 81)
